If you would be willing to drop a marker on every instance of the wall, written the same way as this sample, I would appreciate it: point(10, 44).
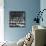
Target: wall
point(30, 7)
point(43, 6)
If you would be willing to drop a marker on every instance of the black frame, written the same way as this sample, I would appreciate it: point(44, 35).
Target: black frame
point(17, 19)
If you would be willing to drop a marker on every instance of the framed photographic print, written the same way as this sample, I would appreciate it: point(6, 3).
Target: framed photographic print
point(17, 19)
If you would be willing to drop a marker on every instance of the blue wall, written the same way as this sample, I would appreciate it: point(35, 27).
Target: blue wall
point(43, 6)
point(30, 7)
